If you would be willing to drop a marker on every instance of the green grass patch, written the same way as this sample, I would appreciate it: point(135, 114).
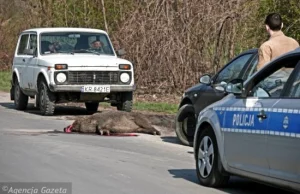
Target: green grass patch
point(5, 81)
point(156, 107)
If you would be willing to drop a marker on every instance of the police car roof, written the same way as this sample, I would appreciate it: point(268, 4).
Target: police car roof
point(297, 50)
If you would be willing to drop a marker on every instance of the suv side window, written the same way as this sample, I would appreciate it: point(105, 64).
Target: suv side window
point(272, 85)
point(233, 70)
point(23, 44)
point(33, 41)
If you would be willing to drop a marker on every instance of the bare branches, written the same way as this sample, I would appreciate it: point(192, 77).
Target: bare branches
point(104, 15)
point(176, 41)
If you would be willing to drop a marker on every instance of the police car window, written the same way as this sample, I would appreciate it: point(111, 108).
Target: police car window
point(272, 85)
point(295, 88)
point(233, 70)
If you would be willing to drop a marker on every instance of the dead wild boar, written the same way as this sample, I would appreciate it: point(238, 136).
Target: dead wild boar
point(109, 122)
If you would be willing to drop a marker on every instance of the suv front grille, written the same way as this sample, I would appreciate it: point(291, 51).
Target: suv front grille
point(93, 77)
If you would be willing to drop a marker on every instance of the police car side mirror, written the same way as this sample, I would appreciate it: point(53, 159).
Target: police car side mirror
point(205, 79)
point(235, 86)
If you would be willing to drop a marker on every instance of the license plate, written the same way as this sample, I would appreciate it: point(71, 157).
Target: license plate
point(96, 89)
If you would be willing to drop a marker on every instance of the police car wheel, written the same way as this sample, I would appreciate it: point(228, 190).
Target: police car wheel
point(207, 160)
point(185, 129)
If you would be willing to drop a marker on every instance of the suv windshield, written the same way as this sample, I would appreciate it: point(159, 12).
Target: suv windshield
point(75, 42)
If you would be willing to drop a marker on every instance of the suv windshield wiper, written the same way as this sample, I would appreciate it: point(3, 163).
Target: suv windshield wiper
point(57, 52)
point(85, 51)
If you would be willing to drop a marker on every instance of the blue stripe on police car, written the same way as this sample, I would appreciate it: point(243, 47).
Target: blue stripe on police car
point(280, 122)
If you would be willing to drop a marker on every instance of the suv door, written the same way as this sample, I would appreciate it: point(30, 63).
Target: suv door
point(31, 62)
point(215, 91)
point(19, 60)
point(284, 133)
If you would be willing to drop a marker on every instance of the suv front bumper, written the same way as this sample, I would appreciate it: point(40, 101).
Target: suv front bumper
point(77, 88)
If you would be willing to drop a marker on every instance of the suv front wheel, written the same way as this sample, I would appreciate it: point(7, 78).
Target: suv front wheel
point(46, 99)
point(20, 99)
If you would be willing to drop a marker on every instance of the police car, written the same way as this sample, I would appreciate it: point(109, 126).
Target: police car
point(254, 131)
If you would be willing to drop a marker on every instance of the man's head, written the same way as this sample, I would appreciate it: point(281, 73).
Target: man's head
point(273, 22)
point(54, 47)
point(96, 44)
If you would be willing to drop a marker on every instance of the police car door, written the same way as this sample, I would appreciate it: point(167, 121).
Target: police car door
point(284, 132)
point(244, 134)
point(247, 118)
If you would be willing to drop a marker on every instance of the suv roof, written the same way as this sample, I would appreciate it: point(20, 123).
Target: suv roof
point(61, 29)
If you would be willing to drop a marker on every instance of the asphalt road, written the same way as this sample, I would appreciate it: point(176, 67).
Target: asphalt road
point(31, 151)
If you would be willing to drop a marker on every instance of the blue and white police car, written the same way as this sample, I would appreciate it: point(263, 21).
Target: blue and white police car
point(254, 131)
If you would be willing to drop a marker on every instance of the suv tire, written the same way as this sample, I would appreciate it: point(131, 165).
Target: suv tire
point(92, 107)
point(125, 103)
point(215, 177)
point(20, 99)
point(46, 99)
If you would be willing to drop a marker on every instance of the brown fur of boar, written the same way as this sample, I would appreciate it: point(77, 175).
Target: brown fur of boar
point(110, 122)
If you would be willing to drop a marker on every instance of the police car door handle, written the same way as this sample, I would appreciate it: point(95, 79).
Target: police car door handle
point(262, 115)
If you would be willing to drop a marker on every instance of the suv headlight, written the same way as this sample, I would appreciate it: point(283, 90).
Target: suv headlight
point(61, 77)
point(124, 77)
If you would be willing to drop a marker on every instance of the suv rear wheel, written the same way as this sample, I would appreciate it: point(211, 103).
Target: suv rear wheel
point(20, 99)
point(46, 99)
point(125, 103)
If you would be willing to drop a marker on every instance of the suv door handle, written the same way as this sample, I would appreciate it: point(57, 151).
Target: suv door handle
point(262, 115)
point(23, 60)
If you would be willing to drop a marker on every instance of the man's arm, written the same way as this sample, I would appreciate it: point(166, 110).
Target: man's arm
point(264, 56)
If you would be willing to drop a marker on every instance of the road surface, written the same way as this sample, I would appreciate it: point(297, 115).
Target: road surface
point(31, 151)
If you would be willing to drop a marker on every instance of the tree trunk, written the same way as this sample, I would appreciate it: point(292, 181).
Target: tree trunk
point(104, 15)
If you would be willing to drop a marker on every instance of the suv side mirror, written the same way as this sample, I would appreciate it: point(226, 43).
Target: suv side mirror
point(205, 79)
point(235, 86)
point(120, 52)
point(29, 51)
